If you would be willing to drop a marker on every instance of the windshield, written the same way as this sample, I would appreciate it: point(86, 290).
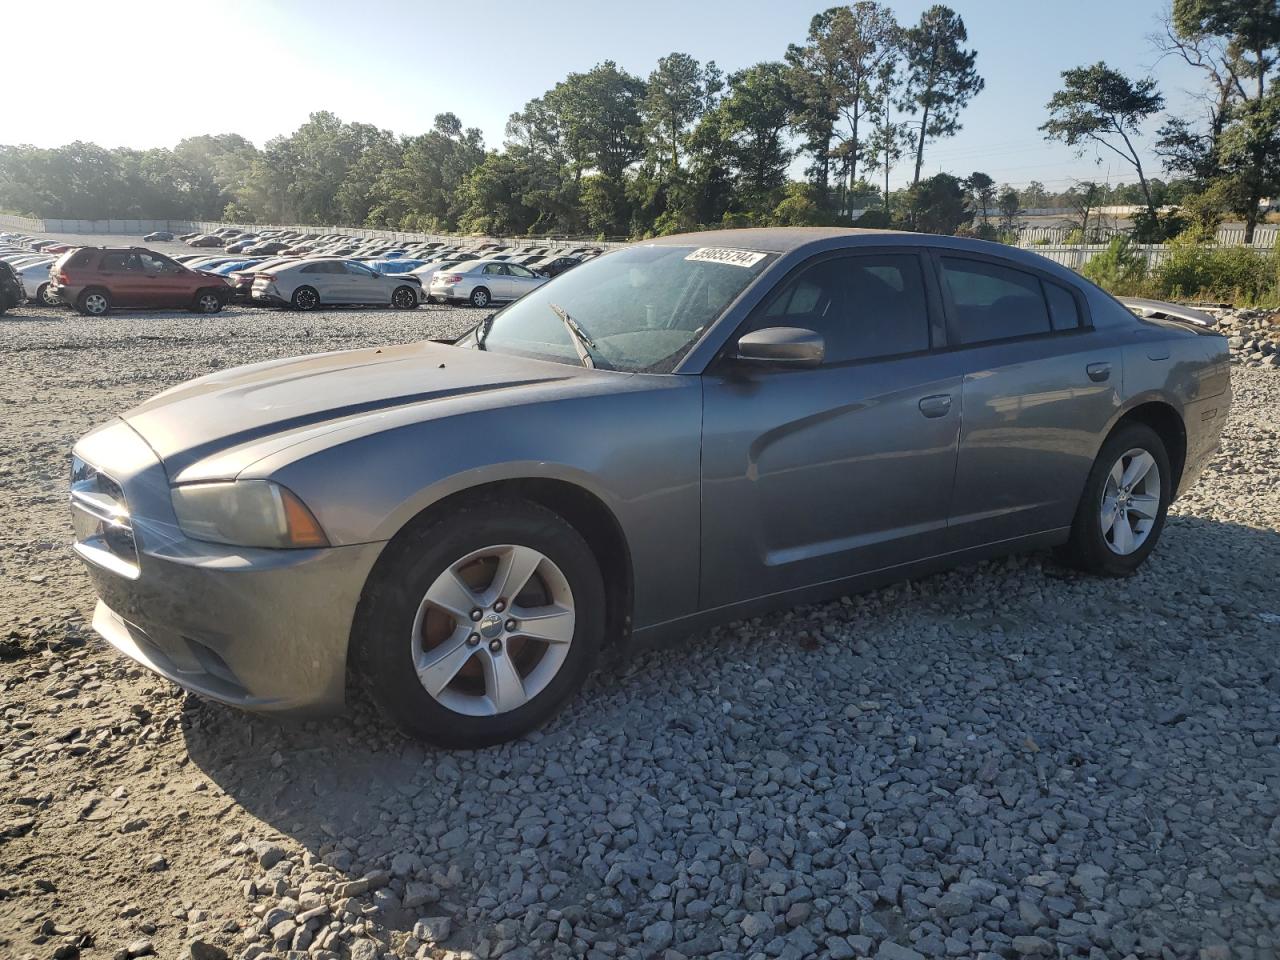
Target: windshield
point(643, 307)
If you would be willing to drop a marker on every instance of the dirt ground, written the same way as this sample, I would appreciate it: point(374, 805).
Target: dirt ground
point(136, 819)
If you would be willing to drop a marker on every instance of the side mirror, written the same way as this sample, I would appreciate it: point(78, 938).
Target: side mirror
point(785, 346)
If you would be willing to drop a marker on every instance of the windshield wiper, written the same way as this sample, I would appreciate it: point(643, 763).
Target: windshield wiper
point(482, 330)
point(582, 343)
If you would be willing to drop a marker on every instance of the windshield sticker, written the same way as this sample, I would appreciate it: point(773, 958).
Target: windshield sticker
point(727, 255)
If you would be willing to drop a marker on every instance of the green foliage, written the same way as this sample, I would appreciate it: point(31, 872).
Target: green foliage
point(941, 76)
point(1238, 275)
point(1117, 268)
point(938, 205)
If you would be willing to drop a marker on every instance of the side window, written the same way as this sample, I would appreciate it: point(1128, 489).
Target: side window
point(154, 264)
point(994, 302)
point(114, 263)
point(359, 269)
point(518, 271)
point(494, 269)
point(311, 268)
point(865, 306)
point(1064, 312)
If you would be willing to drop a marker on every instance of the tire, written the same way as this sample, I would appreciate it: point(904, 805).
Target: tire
point(47, 297)
point(40, 299)
point(1116, 526)
point(305, 298)
point(94, 302)
point(480, 297)
point(207, 301)
point(399, 630)
point(404, 298)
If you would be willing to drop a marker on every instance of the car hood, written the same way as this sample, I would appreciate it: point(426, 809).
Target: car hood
point(240, 407)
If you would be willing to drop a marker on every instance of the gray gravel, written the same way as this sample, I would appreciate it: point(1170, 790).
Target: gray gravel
point(1006, 760)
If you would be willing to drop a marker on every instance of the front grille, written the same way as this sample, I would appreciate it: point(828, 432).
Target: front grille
point(100, 517)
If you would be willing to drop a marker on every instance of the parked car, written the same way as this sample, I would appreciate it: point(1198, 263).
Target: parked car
point(463, 527)
point(11, 292)
point(35, 282)
point(242, 279)
point(207, 240)
point(189, 236)
point(157, 236)
point(267, 249)
point(482, 282)
point(309, 284)
point(97, 279)
point(556, 266)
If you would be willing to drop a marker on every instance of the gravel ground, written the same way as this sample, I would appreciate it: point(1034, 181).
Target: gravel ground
point(1006, 760)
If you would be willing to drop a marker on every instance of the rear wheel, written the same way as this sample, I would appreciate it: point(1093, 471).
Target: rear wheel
point(42, 295)
point(479, 297)
point(94, 303)
point(404, 298)
point(477, 626)
point(1125, 502)
point(305, 298)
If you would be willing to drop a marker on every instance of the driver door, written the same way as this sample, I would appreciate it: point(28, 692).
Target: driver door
point(815, 475)
point(496, 279)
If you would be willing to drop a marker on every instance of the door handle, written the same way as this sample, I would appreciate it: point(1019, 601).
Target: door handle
point(1098, 371)
point(936, 406)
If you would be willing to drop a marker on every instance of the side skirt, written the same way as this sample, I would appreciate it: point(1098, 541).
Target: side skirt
point(671, 631)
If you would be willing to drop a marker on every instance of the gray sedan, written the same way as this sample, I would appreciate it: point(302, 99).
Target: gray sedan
point(678, 433)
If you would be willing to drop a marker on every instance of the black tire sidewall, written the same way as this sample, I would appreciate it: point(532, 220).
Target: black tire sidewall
point(381, 653)
point(298, 306)
point(488, 298)
point(80, 304)
point(406, 306)
point(1087, 548)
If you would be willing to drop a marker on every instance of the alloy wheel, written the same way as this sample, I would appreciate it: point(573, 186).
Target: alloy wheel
point(95, 304)
point(493, 630)
point(209, 303)
point(404, 298)
point(480, 298)
point(1130, 501)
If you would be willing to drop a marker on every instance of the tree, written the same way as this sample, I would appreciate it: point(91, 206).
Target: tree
point(938, 204)
point(1034, 195)
point(1009, 208)
point(1083, 198)
point(983, 189)
point(1100, 105)
point(890, 137)
point(1236, 45)
point(679, 91)
point(941, 76)
point(818, 78)
point(751, 121)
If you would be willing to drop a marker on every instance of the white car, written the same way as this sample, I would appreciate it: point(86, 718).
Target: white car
point(482, 282)
point(308, 284)
point(35, 281)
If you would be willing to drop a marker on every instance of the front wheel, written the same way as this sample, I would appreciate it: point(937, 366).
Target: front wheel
point(1126, 499)
point(478, 625)
point(207, 301)
point(404, 298)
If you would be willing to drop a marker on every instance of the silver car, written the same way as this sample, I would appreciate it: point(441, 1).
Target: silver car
point(308, 284)
point(680, 432)
point(482, 282)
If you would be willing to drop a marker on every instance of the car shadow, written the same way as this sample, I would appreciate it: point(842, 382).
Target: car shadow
point(334, 785)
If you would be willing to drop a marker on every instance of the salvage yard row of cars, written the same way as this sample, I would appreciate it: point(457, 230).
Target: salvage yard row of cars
point(278, 267)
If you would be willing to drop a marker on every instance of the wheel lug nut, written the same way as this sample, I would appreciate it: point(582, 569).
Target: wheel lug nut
point(500, 606)
point(495, 646)
point(473, 639)
point(476, 614)
point(511, 625)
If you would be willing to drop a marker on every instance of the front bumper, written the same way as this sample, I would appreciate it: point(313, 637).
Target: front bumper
point(258, 629)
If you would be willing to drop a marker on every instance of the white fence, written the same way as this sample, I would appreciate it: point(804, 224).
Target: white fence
point(1264, 235)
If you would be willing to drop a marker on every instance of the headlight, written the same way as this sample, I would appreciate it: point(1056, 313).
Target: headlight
point(246, 513)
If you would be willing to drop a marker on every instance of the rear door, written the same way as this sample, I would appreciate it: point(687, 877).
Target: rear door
point(497, 280)
point(815, 475)
point(121, 273)
point(1040, 387)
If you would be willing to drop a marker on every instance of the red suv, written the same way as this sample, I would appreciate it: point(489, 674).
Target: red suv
point(95, 279)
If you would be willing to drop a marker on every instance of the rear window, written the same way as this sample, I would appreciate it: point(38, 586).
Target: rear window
point(1063, 309)
point(77, 258)
point(994, 302)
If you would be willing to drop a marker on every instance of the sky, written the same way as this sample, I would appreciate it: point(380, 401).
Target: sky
point(146, 73)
